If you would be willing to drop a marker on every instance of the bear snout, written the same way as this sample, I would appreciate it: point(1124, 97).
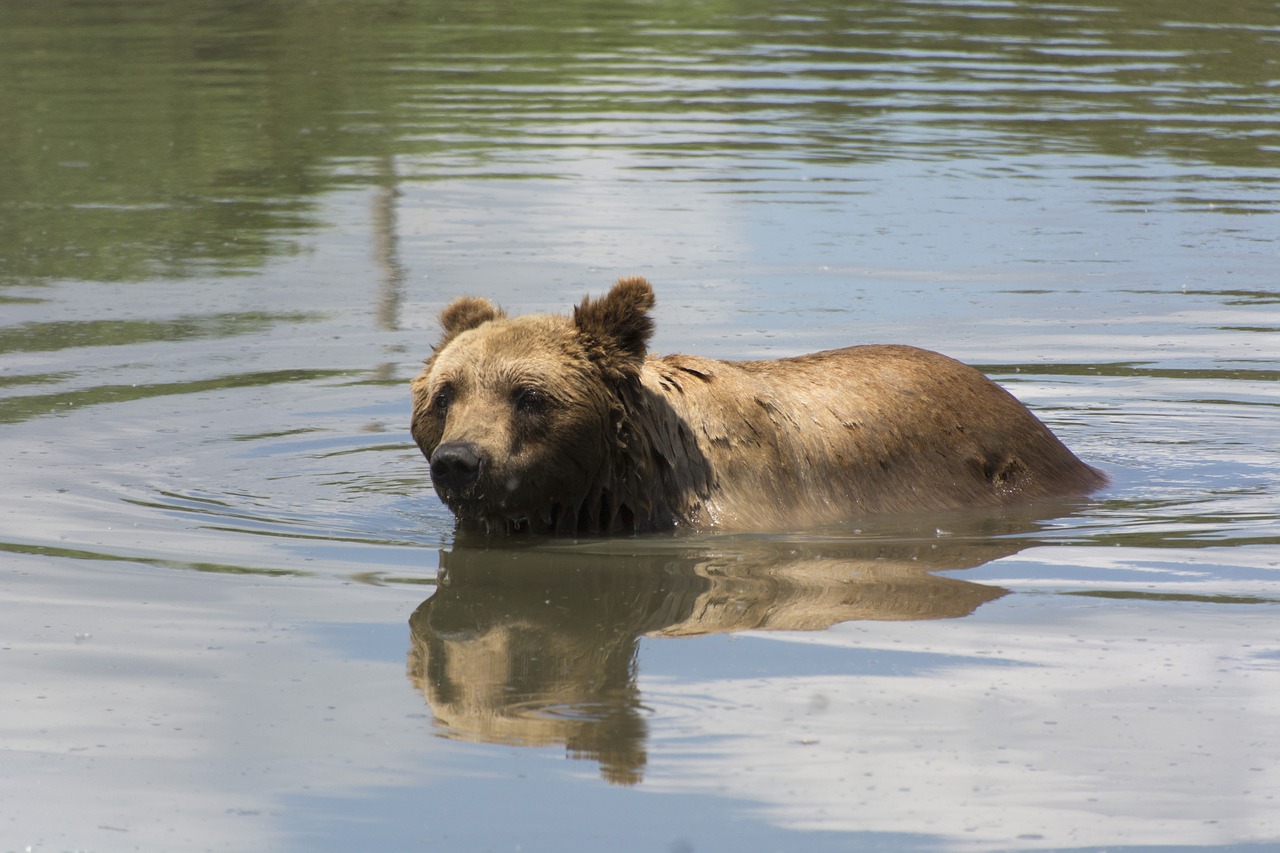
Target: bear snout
point(455, 465)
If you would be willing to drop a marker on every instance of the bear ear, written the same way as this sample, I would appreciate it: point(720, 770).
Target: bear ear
point(466, 313)
point(618, 323)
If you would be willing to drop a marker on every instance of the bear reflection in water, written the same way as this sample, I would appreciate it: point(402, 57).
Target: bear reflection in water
point(538, 645)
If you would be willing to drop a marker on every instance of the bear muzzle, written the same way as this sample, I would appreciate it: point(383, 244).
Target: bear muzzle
point(455, 466)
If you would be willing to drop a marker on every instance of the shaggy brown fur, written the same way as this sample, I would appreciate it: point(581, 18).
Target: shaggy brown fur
point(553, 424)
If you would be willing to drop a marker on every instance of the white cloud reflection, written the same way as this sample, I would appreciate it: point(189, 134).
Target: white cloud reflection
point(181, 711)
point(1031, 725)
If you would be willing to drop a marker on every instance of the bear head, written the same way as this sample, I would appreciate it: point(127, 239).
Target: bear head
point(523, 419)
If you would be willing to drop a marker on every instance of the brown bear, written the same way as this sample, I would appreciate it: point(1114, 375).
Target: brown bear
point(565, 425)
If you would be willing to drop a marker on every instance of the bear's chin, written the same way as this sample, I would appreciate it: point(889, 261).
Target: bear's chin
point(585, 518)
point(484, 520)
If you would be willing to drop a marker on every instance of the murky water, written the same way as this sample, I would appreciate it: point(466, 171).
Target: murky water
point(236, 614)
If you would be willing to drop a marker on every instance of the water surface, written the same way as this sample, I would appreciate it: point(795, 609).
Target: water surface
point(239, 618)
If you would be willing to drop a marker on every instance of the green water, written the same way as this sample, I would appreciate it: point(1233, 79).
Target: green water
point(237, 616)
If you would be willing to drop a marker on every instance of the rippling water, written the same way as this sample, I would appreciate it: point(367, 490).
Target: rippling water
point(238, 615)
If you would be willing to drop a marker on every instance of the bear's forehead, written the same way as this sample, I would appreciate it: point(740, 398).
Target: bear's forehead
point(531, 345)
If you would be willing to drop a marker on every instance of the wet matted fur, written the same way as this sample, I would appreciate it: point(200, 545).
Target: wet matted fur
point(564, 424)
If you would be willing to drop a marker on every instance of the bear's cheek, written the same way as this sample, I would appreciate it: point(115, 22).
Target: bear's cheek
point(554, 462)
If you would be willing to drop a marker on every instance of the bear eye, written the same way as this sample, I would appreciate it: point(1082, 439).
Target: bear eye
point(530, 401)
point(441, 399)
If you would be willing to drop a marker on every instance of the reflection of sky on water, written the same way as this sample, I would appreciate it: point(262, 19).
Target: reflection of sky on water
point(1058, 722)
point(193, 694)
point(1237, 570)
point(780, 264)
point(1131, 725)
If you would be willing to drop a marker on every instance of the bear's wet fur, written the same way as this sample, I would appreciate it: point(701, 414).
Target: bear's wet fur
point(565, 425)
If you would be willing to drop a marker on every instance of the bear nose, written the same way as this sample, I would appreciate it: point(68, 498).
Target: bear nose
point(455, 465)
